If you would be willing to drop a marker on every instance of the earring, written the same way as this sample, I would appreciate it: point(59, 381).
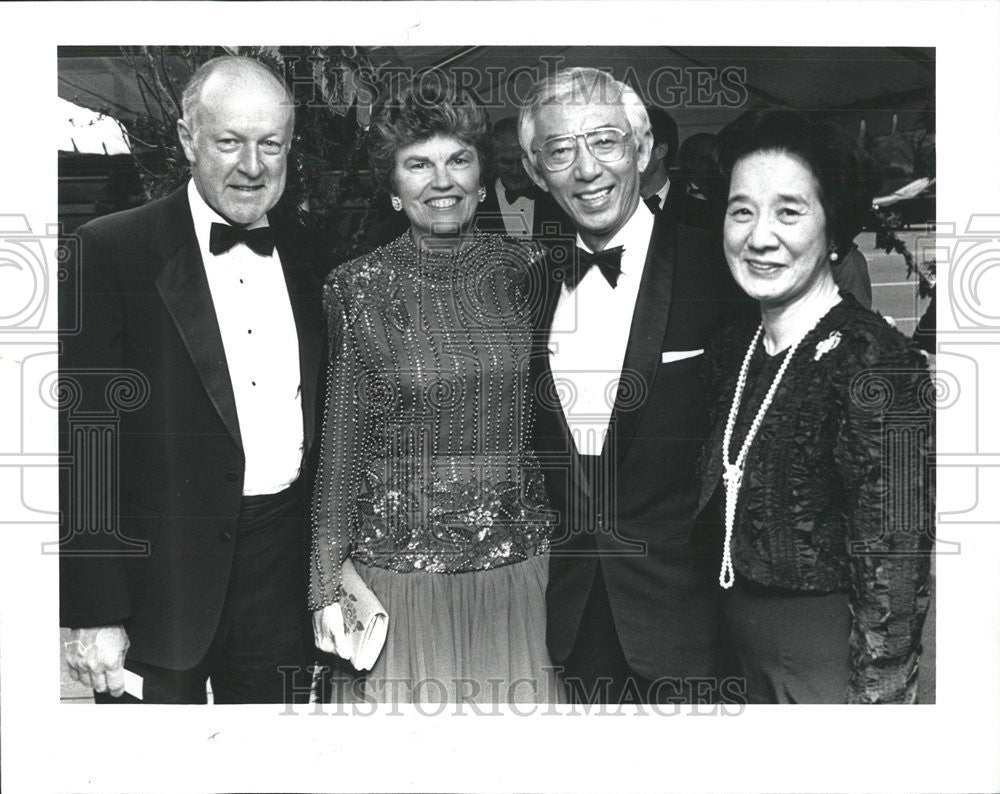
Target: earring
point(482, 194)
point(833, 256)
point(397, 203)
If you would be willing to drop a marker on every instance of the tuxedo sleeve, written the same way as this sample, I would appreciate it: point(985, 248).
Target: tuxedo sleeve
point(93, 586)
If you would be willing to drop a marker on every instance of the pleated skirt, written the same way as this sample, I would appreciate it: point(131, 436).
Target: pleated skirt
point(476, 637)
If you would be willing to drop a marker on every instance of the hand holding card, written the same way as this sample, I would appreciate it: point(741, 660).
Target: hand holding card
point(365, 620)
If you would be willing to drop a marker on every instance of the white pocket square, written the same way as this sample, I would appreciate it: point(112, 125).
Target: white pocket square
point(679, 355)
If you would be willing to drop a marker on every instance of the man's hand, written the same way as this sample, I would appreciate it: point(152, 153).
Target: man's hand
point(96, 658)
point(328, 630)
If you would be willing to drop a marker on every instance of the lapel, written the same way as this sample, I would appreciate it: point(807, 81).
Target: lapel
point(183, 287)
point(646, 334)
point(308, 326)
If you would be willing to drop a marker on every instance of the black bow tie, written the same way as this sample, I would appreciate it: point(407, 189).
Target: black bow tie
point(224, 237)
point(513, 195)
point(609, 262)
point(653, 202)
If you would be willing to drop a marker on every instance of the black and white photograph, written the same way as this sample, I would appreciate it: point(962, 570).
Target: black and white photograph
point(384, 403)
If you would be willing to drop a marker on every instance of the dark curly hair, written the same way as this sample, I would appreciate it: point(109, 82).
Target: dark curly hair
point(846, 175)
point(426, 106)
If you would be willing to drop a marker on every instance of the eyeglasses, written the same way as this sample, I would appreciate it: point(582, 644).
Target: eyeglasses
point(606, 144)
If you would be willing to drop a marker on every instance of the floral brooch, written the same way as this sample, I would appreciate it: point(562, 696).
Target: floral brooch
point(828, 344)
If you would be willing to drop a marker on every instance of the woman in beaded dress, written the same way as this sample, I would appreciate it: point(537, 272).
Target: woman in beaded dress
point(426, 479)
point(819, 467)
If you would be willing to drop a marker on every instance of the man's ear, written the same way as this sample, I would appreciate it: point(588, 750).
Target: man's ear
point(533, 172)
point(186, 135)
point(644, 150)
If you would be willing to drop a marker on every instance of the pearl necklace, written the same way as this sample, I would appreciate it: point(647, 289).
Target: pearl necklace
point(733, 472)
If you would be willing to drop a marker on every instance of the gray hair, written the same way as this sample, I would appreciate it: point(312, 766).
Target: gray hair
point(583, 86)
point(234, 64)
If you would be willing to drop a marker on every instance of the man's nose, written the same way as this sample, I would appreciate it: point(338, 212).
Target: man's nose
point(586, 167)
point(251, 163)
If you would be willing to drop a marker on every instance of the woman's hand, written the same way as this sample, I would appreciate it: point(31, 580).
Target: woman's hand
point(328, 630)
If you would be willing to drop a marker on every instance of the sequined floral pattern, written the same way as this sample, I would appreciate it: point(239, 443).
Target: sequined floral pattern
point(453, 524)
point(426, 459)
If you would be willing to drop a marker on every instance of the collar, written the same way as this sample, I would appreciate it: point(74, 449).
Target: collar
point(662, 192)
point(633, 236)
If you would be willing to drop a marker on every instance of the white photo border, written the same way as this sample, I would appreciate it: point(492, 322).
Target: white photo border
point(950, 746)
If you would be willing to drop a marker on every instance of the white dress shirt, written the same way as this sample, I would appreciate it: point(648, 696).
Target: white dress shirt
point(519, 217)
point(589, 336)
point(262, 353)
point(662, 194)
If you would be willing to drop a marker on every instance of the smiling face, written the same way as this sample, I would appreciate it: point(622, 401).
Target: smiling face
point(775, 229)
point(437, 181)
point(599, 197)
point(237, 144)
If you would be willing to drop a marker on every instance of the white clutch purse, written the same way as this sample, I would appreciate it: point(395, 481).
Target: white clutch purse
point(365, 620)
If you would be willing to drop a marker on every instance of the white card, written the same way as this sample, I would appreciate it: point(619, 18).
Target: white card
point(133, 684)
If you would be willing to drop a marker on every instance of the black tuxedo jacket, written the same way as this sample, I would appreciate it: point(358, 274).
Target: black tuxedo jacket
point(145, 308)
point(633, 508)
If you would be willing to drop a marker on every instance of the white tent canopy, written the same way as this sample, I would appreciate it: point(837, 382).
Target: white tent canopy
point(88, 132)
point(872, 83)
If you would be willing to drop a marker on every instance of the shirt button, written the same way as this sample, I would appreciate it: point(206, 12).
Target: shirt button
point(232, 476)
point(225, 536)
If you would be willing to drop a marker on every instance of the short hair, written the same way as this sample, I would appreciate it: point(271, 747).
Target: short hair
point(845, 174)
point(232, 63)
point(580, 84)
point(664, 131)
point(428, 105)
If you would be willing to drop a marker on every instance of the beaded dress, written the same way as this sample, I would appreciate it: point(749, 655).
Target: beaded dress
point(426, 476)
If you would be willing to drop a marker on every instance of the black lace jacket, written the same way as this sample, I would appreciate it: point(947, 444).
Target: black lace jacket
point(838, 490)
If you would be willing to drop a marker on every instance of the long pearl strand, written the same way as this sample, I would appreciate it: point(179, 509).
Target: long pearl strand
point(733, 472)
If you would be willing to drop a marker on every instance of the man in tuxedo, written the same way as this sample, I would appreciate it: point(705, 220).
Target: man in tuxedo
point(183, 560)
point(622, 413)
point(655, 185)
point(513, 204)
